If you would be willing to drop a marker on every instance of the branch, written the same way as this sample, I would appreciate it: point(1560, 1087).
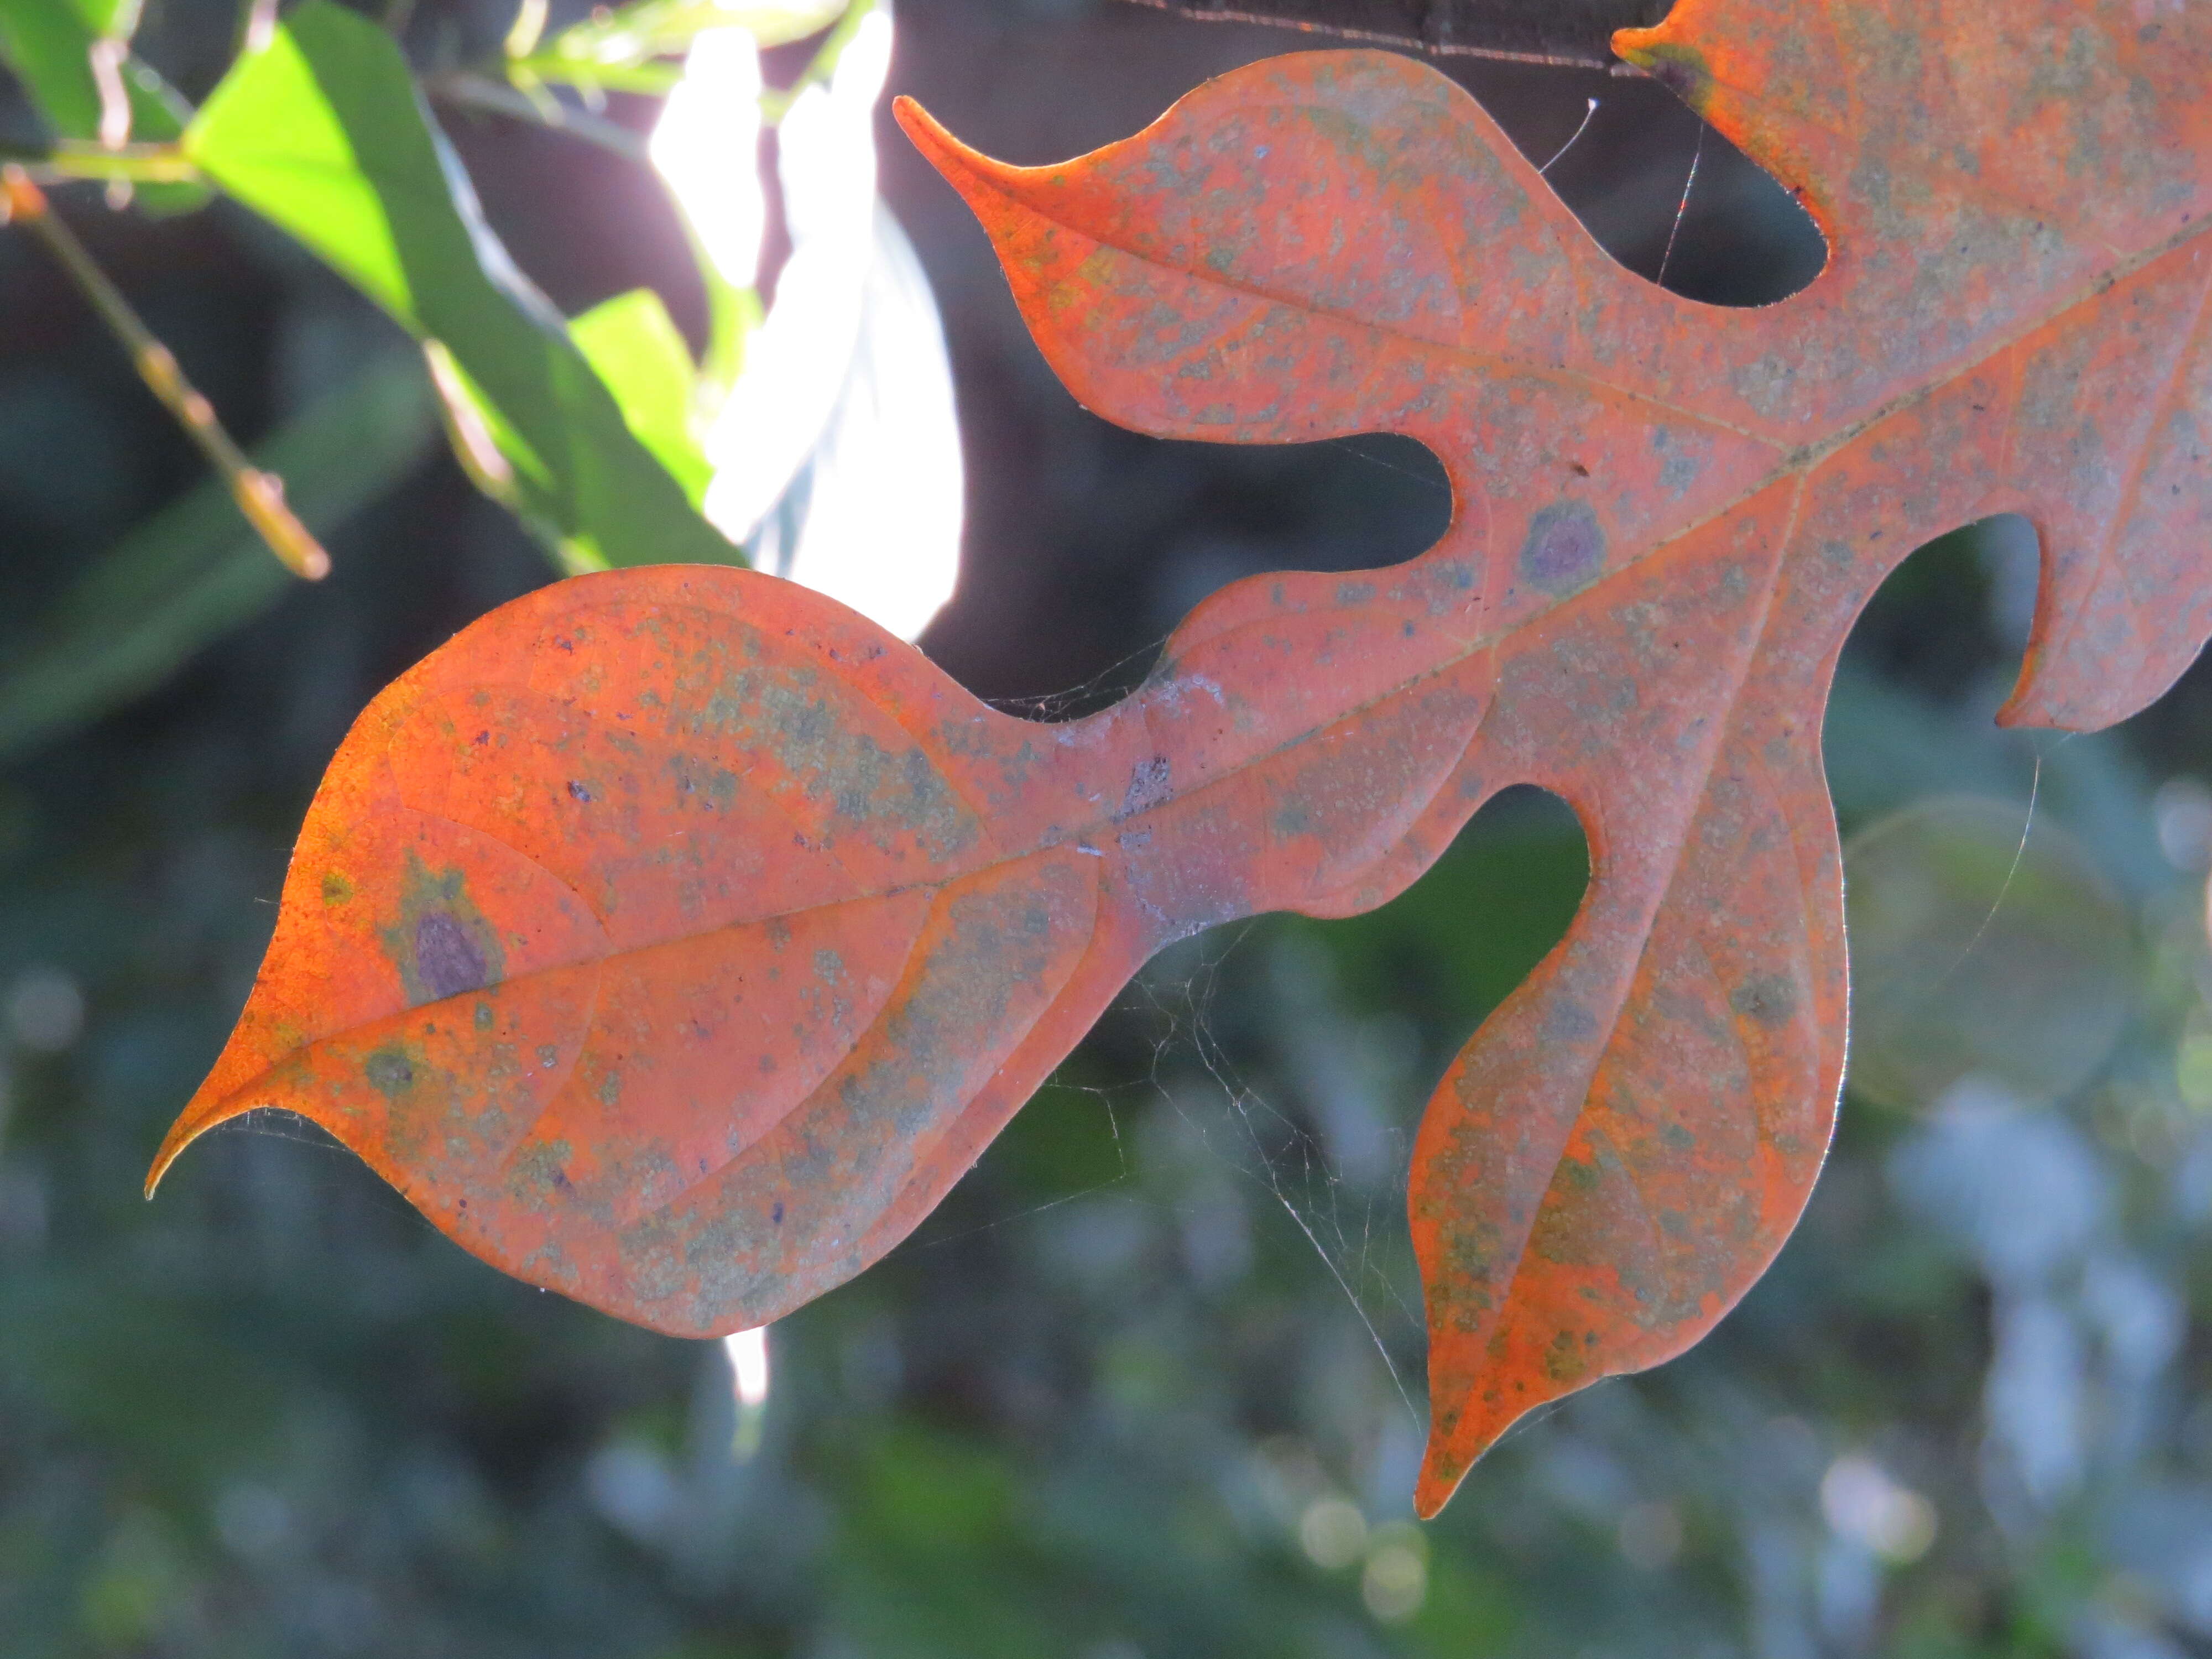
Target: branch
point(259, 496)
point(1572, 33)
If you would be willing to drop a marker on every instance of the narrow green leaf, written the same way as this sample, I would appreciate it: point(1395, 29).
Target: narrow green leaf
point(194, 571)
point(633, 344)
point(159, 113)
point(48, 43)
point(631, 35)
point(323, 132)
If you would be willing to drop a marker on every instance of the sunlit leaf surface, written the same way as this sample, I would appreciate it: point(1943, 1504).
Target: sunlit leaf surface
point(675, 938)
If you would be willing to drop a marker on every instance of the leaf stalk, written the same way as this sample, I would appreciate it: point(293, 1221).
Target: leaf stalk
point(259, 496)
point(143, 164)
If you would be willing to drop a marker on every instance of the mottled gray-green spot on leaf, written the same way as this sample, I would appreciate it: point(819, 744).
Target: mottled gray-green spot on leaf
point(1769, 999)
point(390, 1072)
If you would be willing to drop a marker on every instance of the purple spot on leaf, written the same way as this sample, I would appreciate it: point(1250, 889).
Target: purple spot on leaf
point(446, 957)
point(1565, 547)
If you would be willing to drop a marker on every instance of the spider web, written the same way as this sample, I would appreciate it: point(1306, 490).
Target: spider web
point(1349, 1209)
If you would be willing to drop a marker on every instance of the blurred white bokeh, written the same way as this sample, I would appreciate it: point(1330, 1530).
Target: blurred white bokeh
point(707, 146)
point(836, 453)
point(748, 1351)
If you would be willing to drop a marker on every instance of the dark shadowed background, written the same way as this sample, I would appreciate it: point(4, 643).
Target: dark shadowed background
point(1148, 1386)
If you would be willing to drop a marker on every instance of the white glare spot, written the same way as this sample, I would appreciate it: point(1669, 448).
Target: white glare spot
point(1397, 1579)
point(748, 1351)
point(260, 26)
point(873, 517)
point(836, 455)
point(106, 59)
point(707, 146)
point(1333, 1533)
point(2182, 810)
point(795, 361)
point(1863, 1504)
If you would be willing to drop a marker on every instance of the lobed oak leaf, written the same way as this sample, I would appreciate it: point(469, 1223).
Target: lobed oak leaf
point(674, 937)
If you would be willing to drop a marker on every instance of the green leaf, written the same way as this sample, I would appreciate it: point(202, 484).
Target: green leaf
point(634, 34)
point(633, 344)
point(323, 133)
point(50, 46)
point(159, 113)
point(194, 570)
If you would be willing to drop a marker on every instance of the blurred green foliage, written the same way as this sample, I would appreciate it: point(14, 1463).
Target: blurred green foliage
point(194, 571)
point(61, 49)
point(587, 433)
point(322, 131)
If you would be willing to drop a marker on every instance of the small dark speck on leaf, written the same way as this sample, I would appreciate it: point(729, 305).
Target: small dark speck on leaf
point(775, 1214)
point(1769, 1000)
point(389, 1072)
point(580, 792)
point(1149, 785)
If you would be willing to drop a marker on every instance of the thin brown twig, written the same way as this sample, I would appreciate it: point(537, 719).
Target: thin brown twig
point(1223, 14)
point(259, 496)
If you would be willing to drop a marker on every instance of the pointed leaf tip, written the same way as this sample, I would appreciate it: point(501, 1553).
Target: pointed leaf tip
point(1661, 53)
point(200, 1114)
point(181, 1134)
point(1435, 1486)
point(1635, 45)
point(926, 133)
point(957, 162)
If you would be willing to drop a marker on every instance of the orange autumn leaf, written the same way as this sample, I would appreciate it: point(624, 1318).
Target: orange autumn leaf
point(675, 938)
